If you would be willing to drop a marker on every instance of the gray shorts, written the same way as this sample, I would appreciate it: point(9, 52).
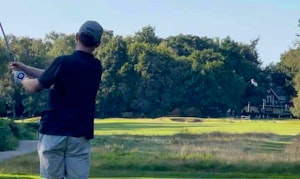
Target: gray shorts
point(64, 156)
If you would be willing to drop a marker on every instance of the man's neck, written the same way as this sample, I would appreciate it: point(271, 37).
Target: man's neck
point(83, 48)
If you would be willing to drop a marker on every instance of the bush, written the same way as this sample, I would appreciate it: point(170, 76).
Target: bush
point(7, 139)
point(32, 126)
point(11, 132)
point(22, 131)
point(17, 130)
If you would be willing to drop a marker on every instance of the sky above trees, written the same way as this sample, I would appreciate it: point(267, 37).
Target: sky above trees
point(275, 22)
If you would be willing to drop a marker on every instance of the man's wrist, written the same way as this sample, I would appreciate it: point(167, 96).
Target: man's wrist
point(24, 68)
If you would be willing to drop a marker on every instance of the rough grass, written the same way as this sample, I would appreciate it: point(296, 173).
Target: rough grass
point(215, 152)
point(183, 154)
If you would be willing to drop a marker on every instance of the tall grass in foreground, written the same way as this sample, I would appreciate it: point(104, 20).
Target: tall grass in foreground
point(213, 152)
point(133, 155)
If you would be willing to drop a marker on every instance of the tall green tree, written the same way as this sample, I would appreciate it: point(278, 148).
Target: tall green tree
point(61, 44)
point(147, 35)
point(184, 45)
point(153, 96)
point(242, 60)
point(113, 90)
point(6, 95)
point(144, 75)
point(290, 65)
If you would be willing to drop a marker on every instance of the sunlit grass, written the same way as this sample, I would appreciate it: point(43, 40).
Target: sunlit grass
point(164, 126)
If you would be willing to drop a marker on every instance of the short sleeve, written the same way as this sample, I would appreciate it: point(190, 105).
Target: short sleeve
point(47, 79)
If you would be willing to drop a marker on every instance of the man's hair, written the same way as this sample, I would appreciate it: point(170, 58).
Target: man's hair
point(87, 40)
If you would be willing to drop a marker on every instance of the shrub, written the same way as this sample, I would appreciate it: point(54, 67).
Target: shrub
point(23, 131)
point(7, 139)
point(11, 132)
point(17, 130)
point(32, 126)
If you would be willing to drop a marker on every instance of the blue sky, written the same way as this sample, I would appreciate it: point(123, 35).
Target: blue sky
point(275, 22)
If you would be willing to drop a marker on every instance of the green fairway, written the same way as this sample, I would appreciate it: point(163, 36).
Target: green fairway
point(164, 126)
point(187, 148)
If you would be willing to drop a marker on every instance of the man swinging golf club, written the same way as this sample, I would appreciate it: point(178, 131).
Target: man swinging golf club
point(67, 123)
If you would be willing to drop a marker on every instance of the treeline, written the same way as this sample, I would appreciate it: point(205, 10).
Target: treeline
point(148, 76)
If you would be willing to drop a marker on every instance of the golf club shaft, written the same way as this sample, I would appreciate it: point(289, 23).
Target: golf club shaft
point(7, 44)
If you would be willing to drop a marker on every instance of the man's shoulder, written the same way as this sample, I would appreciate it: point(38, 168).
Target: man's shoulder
point(71, 58)
point(61, 58)
point(97, 61)
point(64, 59)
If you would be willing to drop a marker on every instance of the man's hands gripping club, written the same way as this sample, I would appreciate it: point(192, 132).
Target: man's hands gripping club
point(27, 76)
point(17, 71)
point(19, 76)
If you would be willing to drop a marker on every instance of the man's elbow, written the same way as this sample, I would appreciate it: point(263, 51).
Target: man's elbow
point(31, 90)
point(32, 85)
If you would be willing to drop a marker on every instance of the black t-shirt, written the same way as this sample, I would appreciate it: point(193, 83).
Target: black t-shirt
point(73, 81)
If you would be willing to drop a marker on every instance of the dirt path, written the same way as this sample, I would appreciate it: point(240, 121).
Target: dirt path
point(25, 146)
